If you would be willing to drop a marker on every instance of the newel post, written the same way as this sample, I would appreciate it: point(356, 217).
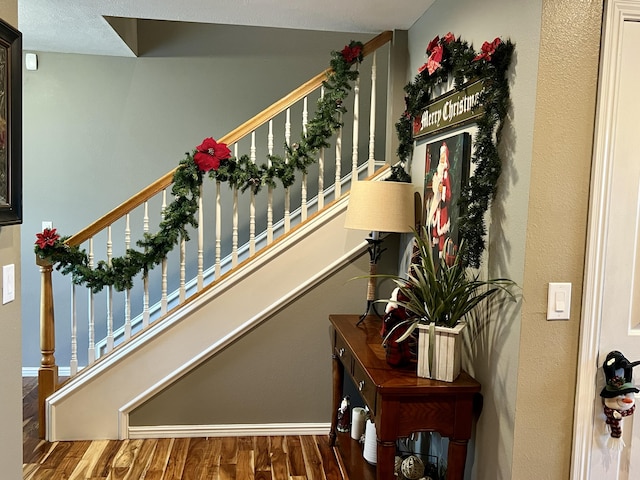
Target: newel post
point(48, 372)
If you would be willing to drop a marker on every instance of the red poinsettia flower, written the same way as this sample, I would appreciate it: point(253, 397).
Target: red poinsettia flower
point(417, 125)
point(47, 238)
point(433, 63)
point(352, 52)
point(488, 49)
point(448, 38)
point(432, 44)
point(210, 153)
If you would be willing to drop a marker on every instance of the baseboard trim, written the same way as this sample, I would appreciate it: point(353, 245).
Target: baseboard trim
point(33, 371)
point(237, 430)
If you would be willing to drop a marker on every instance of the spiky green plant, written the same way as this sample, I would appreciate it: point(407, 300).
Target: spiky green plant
point(446, 294)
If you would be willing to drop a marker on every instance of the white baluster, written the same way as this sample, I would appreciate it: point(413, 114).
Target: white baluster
point(252, 202)
point(321, 169)
point(146, 315)
point(145, 280)
point(91, 314)
point(287, 191)
point(372, 118)
point(218, 230)
point(270, 137)
point(200, 243)
point(145, 220)
point(234, 233)
point(127, 293)
point(234, 226)
point(164, 285)
point(183, 269)
point(109, 294)
point(73, 364)
point(338, 176)
point(270, 188)
point(356, 126)
point(303, 193)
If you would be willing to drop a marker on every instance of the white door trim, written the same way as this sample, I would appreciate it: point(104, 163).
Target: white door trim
point(617, 11)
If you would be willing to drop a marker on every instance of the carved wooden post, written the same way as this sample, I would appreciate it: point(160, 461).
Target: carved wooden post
point(48, 372)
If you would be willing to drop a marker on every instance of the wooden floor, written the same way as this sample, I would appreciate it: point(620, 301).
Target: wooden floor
point(234, 458)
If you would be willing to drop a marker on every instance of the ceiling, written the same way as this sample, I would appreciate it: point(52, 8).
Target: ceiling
point(79, 26)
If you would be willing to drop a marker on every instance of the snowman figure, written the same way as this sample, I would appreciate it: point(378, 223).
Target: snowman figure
point(618, 395)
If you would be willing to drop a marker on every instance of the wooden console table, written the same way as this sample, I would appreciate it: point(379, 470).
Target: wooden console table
point(400, 401)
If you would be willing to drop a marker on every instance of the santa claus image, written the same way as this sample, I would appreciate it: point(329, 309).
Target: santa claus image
point(438, 216)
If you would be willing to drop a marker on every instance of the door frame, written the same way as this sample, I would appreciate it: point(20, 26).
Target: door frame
point(616, 12)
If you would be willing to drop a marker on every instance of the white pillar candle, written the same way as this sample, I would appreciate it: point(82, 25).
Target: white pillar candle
point(357, 422)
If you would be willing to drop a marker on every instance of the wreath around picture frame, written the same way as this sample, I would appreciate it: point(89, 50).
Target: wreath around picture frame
point(452, 58)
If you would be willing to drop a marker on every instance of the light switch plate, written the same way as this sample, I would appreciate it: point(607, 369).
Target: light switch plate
point(8, 283)
point(559, 301)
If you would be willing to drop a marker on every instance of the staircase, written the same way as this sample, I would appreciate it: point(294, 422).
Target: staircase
point(177, 316)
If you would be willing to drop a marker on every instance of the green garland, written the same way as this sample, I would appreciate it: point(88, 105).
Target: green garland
point(238, 173)
point(456, 59)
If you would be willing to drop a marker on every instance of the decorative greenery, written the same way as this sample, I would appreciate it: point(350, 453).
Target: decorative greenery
point(451, 58)
point(442, 295)
point(448, 57)
point(212, 158)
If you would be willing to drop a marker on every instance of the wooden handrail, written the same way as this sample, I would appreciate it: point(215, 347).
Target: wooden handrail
point(230, 138)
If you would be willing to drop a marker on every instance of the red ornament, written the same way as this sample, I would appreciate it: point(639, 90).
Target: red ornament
point(210, 153)
point(488, 49)
point(47, 238)
point(433, 63)
point(352, 52)
point(432, 44)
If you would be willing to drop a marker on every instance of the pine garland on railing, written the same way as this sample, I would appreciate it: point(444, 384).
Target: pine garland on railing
point(451, 58)
point(214, 158)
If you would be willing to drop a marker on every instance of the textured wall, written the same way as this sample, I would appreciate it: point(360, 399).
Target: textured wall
point(563, 137)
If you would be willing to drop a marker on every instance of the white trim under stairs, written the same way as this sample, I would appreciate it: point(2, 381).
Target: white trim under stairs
point(206, 431)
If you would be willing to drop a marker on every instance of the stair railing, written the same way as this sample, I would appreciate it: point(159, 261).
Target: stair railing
point(236, 237)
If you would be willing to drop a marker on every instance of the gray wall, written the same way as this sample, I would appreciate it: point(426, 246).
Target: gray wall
point(98, 129)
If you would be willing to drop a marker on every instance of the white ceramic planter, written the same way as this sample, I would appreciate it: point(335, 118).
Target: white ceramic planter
point(444, 363)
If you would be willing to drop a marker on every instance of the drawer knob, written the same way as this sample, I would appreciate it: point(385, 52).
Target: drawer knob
point(360, 385)
point(341, 352)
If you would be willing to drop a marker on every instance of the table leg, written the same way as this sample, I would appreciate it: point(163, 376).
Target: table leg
point(386, 455)
point(457, 456)
point(338, 378)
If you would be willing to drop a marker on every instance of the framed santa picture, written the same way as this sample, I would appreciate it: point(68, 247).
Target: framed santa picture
point(446, 171)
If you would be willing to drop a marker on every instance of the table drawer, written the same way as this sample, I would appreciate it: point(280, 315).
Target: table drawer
point(344, 354)
point(365, 386)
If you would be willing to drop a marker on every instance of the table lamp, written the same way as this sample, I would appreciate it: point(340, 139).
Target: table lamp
point(379, 206)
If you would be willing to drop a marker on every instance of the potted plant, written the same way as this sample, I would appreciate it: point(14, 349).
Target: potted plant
point(436, 300)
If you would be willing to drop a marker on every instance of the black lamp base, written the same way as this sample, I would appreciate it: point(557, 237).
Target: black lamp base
point(371, 308)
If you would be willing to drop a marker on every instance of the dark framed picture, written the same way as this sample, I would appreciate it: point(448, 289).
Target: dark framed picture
point(446, 171)
point(10, 125)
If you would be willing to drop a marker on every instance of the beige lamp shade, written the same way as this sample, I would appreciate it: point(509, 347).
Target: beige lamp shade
point(381, 206)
